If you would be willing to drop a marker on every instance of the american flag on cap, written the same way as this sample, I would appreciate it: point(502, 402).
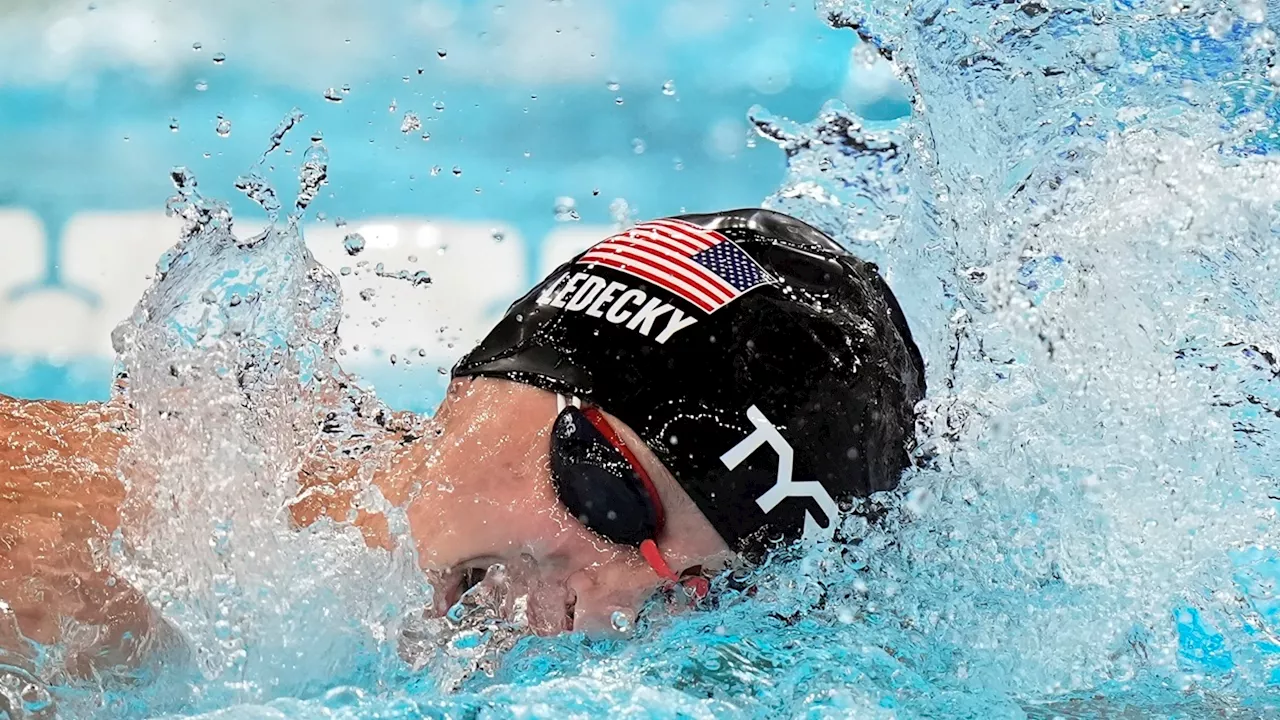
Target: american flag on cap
point(702, 266)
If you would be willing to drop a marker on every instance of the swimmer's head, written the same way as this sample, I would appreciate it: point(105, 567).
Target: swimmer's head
point(771, 372)
point(483, 492)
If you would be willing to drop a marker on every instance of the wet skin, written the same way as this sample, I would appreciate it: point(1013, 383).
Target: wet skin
point(474, 482)
point(59, 501)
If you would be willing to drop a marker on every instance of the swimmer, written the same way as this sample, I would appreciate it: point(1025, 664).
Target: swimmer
point(691, 392)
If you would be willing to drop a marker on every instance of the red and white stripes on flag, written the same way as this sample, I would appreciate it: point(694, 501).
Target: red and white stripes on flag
point(702, 266)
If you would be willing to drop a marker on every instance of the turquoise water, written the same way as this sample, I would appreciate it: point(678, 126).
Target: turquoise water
point(641, 102)
point(1080, 218)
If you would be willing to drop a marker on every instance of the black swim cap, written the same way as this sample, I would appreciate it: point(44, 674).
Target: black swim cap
point(771, 371)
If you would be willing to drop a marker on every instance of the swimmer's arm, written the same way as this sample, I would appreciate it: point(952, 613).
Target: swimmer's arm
point(337, 473)
point(60, 458)
point(60, 500)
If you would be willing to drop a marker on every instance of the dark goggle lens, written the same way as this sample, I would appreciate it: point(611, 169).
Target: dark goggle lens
point(597, 484)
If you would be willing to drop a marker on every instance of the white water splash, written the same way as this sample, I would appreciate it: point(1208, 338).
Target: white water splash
point(1080, 221)
point(230, 373)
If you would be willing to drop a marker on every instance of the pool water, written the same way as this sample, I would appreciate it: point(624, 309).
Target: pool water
point(460, 141)
point(1080, 218)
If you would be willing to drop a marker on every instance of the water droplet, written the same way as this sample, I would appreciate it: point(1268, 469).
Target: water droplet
point(566, 209)
point(313, 175)
point(353, 244)
point(457, 171)
point(392, 107)
point(613, 85)
point(620, 621)
point(197, 46)
point(1264, 38)
point(1254, 11)
point(637, 146)
point(420, 278)
point(202, 85)
point(442, 370)
point(1220, 24)
point(617, 100)
point(346, 270)
point(866, 55)
point(346, 89)
point(257, 189)
point(183, 179)
point(393, 358)
point(332, 95)
point(435, 170)
point(426, 136)
point(442, 53)
point(669, 88)
point(620, 211)
point(497, 235)
point(317, 137)
point(438, 105)
point(219, 58)
point(413, 258)
point(173, 124)
point(366, 294)
point(918, 501)
point(410, 123)
point(223, 128)
point(404, 78)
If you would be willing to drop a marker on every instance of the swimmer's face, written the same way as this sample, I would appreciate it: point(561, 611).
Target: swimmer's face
point(486, 496)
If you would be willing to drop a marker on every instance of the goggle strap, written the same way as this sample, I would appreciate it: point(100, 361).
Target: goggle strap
point(696, 585)
point(649, 549)
point(563, 401)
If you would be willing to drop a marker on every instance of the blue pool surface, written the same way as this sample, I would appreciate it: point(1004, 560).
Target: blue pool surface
point(655, 115)
point(1079, 215)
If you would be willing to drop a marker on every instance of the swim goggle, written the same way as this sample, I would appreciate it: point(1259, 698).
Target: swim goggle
point(602, 483)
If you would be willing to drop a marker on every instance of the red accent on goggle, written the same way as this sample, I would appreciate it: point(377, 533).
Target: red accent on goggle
point(598, 420)
point(699, 586)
